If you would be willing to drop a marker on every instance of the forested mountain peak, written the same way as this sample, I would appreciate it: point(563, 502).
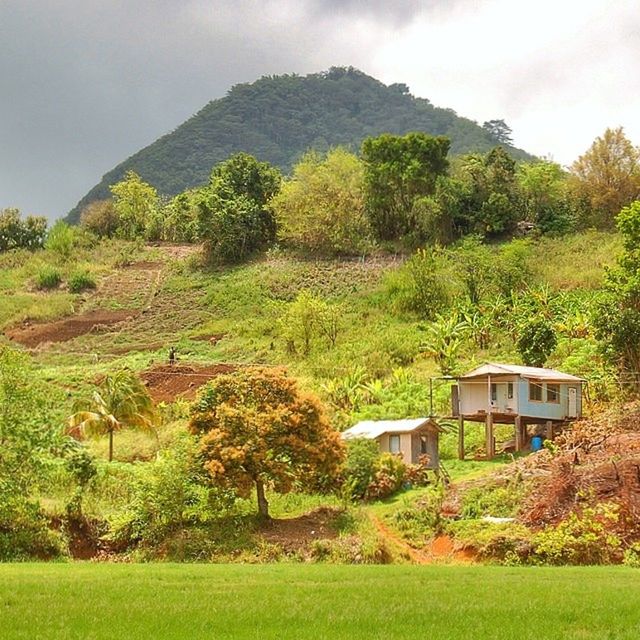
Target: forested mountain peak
point(278, 118)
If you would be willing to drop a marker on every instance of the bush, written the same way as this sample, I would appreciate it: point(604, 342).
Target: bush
point(494, 500)
point(48, 278)
point(362, 455)
point(61, 239)
point(389, 477)
point(420, 521)
point(81, 281)
point(16, 233)
point(101, 218)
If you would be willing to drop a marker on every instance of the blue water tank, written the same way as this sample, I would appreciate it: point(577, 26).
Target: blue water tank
point(536, 443)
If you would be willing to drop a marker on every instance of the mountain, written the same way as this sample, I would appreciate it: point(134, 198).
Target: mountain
point(278, 118)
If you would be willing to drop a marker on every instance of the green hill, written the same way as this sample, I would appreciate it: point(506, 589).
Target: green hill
point(277, 118)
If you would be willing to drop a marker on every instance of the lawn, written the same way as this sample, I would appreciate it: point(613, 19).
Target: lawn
point(316, 601)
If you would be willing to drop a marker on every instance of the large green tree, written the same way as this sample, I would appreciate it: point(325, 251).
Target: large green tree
point(617, 317)
point(257, 429)
point(321, 208)
point(398, 170)
point(136, 206)
point(121, 401)
point(234, 218)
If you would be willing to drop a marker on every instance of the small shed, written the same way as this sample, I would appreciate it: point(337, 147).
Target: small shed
point(410, 438)
point(515, 394)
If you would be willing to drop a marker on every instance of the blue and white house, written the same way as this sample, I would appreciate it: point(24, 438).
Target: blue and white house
point(514, 394)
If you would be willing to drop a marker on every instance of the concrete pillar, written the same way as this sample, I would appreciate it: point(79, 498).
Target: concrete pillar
point(460, 438)
point(549, 431)
point(519, 434)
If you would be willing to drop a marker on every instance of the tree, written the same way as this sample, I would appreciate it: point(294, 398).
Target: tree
point(28, 439)
point(608, 175)
point(16, 233)
point(101, 218)
point(536, 341)
point(136, 204)
point(233, 218)
point(499, 130)
point(397, 171)
point(321, 209)
point(617, 316)
point(120, 402)
point(258, 429)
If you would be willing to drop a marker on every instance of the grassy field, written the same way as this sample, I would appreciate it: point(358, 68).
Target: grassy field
point(287, 601)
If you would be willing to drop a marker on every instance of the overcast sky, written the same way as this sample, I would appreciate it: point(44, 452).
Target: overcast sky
point(86, 83)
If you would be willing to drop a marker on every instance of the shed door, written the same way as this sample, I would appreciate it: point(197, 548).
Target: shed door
point(573, 402)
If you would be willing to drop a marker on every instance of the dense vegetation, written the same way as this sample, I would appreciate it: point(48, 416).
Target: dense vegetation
point(279, 118)
point(125, 463)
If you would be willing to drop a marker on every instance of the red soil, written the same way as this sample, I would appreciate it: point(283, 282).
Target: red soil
point(168, 382)
point(32, 335)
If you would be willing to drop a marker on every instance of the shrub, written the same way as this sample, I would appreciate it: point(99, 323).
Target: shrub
point(61, 239)
point(81, 281)
point(389, 477)
point(48, 278)
point(420, 521)
point(101, 218)
point(500, 501)
point(360, 465)
point(16, 233)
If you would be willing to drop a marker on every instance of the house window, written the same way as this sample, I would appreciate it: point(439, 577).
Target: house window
point(423, 445)
point(535, 391)
point(510, 390)
point(494, 392)
point(394, 444)
point(553, 393)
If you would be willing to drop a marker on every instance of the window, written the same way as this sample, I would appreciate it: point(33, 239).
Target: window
point(553, 393)
point(535, 391)
point(423, 445)
point(510, 390)
point(494, 392)
point(394, 444)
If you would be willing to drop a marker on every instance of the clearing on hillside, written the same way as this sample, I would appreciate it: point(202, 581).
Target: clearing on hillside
point(167, 383)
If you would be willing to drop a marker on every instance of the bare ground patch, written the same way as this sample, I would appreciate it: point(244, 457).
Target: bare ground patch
point(166, 383)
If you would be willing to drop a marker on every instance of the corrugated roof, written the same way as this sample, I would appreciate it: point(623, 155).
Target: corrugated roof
point(538, 373)
point(372, 429)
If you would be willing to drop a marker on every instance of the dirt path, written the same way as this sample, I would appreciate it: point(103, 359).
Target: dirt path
point(440, 549)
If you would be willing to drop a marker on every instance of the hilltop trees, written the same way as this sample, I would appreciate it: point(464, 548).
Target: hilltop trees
point(257, 429)
point(608, 175)
point(398, 170)
point(321, 208)
point(234, 219)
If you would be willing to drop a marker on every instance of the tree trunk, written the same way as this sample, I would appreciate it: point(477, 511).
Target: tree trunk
point(263, 505)
point(110, 446)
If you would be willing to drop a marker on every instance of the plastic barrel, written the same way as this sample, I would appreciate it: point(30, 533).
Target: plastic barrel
point(536, 443)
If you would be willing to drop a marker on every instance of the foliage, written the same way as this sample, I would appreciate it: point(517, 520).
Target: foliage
point(389, 475)
point(100, 217)
point(306, 320)
point(443, 340)
point(419, 521)
point(583, 538)
point(82, 467)
point(397, 171)
point(608, 176)
point(321, 208)
point(48, 278)
point(257, 428)
point(180, 217)
point(617, 317)
point(27, 442)
point(81, 281)
point(536, 341)
point(279, 118)
point(360, 466)
point(16, 233)
point(136, 204)
point(497, 500)
point(422, 285)
point(121, 401)
point(499, 130)
point(170, 495)
point(233, 218)
point(61, 239)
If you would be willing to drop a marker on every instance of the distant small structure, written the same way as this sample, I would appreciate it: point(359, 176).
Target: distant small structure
point(411, 438)
point(514, 394)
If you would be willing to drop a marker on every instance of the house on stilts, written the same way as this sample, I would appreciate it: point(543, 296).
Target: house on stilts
point(518, 395)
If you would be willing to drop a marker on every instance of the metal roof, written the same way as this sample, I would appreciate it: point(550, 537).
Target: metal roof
point(373, 429)
point(537, 373)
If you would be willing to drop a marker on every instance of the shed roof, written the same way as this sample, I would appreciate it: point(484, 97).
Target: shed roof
point(373, 429)
point(537, 373)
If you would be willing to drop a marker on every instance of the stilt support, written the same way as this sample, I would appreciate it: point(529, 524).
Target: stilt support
point(460, 438)
point(491, 443)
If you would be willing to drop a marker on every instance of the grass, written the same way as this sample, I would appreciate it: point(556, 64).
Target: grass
point(64, 601)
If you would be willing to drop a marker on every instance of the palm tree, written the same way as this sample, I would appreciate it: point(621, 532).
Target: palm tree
point(120, 402)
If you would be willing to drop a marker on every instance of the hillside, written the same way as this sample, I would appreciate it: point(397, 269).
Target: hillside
point(277, 118)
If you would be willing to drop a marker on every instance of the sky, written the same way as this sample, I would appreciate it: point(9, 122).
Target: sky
point(86, 83)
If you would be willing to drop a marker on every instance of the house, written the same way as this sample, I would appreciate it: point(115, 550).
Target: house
point(412, 438)
point(514, 394)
